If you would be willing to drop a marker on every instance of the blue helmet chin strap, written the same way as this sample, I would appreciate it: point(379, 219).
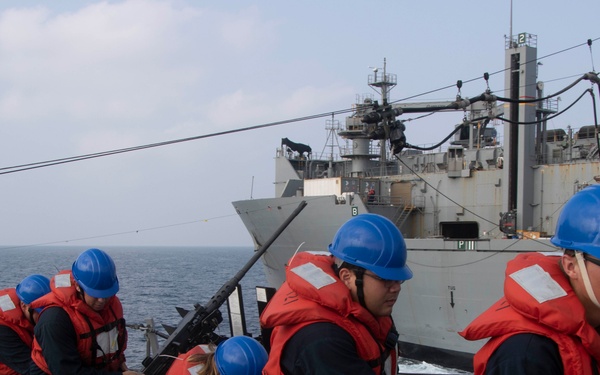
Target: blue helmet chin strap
point(359, 289)
point(31, 311)
point(360, 293)
point(586, 278)
point(359, 273)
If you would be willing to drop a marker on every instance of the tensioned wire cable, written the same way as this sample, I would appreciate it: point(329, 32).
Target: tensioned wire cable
point(24, 167)
point(47, 163)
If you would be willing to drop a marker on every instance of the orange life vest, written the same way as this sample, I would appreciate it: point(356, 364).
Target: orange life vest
point(12, 316)
point(561, 318)
point(102, 336)
point(181, 365)
point(299, 303)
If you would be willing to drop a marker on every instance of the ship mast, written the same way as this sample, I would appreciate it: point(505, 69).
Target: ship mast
point(385, 82)
point(510, 34)
point(359, 133)
point(332, 126)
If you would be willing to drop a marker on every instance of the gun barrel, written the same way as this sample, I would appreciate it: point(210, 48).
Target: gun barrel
point(201, 322)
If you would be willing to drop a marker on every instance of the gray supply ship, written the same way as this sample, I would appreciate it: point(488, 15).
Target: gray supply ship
point(465, 209)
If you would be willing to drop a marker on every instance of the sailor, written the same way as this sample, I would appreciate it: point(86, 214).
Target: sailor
point(239, 355)
point(81, 329)
point(17, 319)
point(371, 195)
point(547, 321)
point(332, 315)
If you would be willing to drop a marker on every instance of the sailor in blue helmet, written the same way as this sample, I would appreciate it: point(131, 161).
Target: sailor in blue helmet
point(17, 320)
point(81, 329)
point(239, 355)
point(548, 320)
point(332, 315)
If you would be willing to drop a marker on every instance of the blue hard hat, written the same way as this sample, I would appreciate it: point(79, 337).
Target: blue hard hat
point(240, 355)
point(95, 271)
point(33, 287)
point(374, 243)
point(578, 225)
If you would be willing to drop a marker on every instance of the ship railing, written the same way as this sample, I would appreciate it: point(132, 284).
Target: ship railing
point(384, 200)
point(374, 149)
point(382, 79)
point(417, 202)
point(522, 39)
point(375, 200)
point(549, 105)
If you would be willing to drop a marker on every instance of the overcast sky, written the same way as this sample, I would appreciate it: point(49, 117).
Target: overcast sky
point(81, 77)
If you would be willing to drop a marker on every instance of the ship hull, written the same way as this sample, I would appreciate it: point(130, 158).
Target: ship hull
point(454, 280)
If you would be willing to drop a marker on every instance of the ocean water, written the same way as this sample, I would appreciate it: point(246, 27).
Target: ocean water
point(155, 280)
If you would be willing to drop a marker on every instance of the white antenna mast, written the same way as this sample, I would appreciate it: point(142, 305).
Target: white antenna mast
point(510, 30)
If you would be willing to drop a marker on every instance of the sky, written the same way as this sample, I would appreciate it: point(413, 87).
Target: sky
point(82, 77)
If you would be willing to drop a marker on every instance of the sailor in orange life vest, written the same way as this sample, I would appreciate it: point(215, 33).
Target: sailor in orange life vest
point(17, 319)
point(81, 329)
point(239, 355)
point(332, 315)
point(547, 321)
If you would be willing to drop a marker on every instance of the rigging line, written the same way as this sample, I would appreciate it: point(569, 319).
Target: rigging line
point(548, 81)
point(424, 93)
point(307, 199)
point(42, 164)
point(585, 76)
point(135, 148)
point(522, 101)
point(420, 117)
point(595, 120)
point(543, 57)
point(36, 165)
point(561, 78)
point(570, 48)
point(466, 209)
point(134, 231)
point(412, 171)
point(589, 43)
point(144, 229)
point(456, 129)
point(491, 74)
point(495, 226)
point(598, 86)
point(546, 118)
point(565, 202)
point(495, 253)
point(444, 195)
point(426, 265)
point(443, 88)
point(552, 249)
point(455, 265)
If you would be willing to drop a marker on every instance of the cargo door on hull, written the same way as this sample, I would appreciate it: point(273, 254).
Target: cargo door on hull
point(401, 194)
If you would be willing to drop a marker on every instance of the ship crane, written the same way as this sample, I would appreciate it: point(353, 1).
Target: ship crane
point(384, 125)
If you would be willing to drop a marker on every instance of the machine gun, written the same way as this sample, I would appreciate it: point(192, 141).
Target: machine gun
point(197, 326)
